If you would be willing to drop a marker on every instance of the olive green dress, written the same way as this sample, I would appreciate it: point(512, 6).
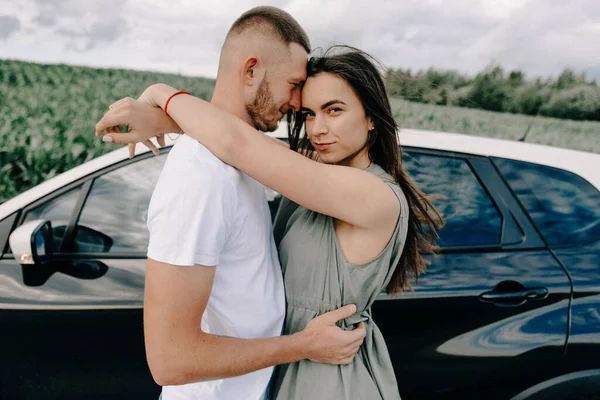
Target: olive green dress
point(317, 280)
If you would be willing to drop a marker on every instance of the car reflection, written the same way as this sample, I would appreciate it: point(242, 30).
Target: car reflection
point(527, 331)
point(120, 284)
point(463, 272)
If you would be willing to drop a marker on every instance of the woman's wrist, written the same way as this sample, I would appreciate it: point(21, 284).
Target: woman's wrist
point(160, 93)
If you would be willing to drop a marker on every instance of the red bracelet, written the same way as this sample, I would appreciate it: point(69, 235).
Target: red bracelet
point(169, 99)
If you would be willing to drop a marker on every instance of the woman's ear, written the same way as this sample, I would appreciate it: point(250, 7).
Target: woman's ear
point(370, 124)
point(249, 71)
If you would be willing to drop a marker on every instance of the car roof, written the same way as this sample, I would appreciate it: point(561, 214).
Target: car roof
point(581, 163)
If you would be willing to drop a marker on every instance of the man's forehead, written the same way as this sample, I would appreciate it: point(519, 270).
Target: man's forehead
point(298, 61)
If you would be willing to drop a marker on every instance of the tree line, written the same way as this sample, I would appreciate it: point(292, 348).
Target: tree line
point(570, 95)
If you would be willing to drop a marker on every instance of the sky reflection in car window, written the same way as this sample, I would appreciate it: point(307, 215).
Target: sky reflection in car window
point(117, 205)
point(564, 206)
point(470, 216)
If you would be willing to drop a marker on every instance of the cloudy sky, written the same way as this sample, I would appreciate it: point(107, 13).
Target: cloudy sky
point(540, 37)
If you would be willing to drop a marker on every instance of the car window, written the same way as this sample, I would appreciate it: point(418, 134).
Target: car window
point(113, 218)
point(58, 211)
point(471, 218)
point(564, 207)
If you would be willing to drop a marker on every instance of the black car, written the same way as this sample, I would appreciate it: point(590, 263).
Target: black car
point(509, 309)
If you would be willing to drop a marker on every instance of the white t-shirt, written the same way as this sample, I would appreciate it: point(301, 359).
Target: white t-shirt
point(206, 212)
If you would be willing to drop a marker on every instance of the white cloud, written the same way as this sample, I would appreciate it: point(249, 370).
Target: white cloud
point(539, 36)
point(545, 36)
point(8, 26)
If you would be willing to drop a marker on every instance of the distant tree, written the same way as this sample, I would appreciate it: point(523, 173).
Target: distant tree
point(580, 103)
point(444, 97)
point(489, 90)
point(516, 78)
point(567, 79)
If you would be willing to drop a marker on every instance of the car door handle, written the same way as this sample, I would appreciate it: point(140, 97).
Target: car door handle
point(513, 294)
point(536, 293)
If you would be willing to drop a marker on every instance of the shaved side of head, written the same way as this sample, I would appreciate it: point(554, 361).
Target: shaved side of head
point(279, 22)
point(265, 32)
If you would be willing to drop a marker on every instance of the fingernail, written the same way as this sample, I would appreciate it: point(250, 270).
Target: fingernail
point(353, 308)
point(107, 139)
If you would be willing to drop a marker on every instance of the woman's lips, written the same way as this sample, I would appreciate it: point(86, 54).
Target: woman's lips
point(322, 146)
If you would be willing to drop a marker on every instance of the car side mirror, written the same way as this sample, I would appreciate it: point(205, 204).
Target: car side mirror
point(32, 243)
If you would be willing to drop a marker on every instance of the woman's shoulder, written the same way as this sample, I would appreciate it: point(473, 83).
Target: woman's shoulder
point(381, 173)
point(391, 182)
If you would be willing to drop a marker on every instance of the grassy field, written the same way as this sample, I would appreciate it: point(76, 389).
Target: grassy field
point(579, 135)
point(48, 113)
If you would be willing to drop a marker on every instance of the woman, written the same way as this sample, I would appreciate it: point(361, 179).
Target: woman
point(358, 228)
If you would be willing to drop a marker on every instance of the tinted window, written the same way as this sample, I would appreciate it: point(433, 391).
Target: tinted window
point(58, 211)
point(564, 206)
point(470, 216)
point(113, 218)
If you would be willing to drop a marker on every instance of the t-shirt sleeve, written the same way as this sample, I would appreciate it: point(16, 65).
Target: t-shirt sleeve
point(190, 215)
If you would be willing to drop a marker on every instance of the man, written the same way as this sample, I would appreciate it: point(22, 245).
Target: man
point(212, 261)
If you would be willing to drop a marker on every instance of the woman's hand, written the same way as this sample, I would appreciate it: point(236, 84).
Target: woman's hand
point(143, 120)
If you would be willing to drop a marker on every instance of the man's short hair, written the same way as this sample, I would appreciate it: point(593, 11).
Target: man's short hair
point(282, 24)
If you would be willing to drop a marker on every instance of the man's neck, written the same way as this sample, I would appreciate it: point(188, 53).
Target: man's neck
point(230, 100)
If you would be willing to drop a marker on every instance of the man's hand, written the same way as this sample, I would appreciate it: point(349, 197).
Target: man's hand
point(331, 344)
point(143, 120)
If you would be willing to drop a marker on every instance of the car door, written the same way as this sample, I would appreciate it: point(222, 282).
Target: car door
point(489, 317)
point(566, 210)
point(73, 329)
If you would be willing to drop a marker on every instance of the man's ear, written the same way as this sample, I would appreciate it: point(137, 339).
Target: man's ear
point(249, 72)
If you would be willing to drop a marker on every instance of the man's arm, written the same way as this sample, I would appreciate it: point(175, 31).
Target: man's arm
point(178, 352)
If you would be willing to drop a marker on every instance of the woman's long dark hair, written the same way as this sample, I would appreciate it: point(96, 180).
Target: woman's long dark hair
point(359, 71)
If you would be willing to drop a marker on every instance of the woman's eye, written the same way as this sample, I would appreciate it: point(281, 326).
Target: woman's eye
point(308, 114)
point(334, 110)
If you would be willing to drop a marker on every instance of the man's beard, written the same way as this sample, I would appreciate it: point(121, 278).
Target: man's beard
point(262, 110)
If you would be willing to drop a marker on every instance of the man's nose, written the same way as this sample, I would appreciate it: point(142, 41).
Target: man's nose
point(296, 100)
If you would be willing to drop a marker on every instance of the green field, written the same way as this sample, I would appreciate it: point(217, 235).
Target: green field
point(48, 113)
point(578, 135)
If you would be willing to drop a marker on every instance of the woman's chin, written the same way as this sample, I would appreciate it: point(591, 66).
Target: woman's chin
point(328, 158)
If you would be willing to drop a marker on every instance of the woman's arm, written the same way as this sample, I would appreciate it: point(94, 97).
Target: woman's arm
point(349, 194)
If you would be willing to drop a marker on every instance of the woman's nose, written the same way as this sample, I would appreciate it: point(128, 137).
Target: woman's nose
point(319, 126)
